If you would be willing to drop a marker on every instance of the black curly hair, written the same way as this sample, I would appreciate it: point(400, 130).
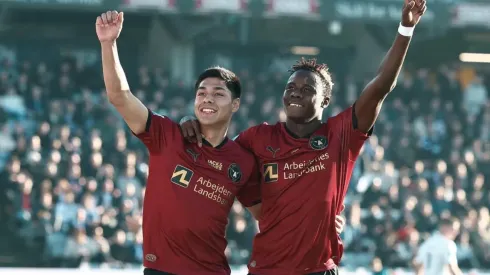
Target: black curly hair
point(319, 68)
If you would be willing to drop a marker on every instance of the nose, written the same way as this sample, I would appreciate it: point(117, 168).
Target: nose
point(296, 94)
point(208, 99)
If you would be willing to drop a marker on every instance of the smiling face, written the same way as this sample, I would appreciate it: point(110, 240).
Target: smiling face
point(214, 104)
point(303, 97)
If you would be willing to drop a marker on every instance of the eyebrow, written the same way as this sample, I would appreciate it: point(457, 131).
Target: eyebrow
point(306, 84)
point(219, 88)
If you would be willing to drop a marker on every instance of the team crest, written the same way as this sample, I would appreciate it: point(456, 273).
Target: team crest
point(318, 142)
point(234, 172)
point(150, 257)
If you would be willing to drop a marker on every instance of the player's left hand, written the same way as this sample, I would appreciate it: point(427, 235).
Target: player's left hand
point(340, 222)
point(412, 12)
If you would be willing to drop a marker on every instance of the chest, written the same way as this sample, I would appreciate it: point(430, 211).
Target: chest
point(299, 166)
point(200, 173)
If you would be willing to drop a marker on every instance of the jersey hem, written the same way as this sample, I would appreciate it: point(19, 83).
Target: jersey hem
point(260, 271)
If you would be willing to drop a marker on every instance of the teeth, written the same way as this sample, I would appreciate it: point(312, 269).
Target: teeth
point(208, 111)
point(295, 105)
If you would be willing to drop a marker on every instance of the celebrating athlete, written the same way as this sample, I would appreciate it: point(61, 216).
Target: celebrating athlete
point(306, 165)
point(190, 189)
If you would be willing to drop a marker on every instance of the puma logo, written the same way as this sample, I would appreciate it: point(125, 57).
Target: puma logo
point(193, 154)
point(273, 151)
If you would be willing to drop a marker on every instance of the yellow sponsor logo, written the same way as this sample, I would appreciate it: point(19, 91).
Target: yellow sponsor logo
point(270, 171)
point(182, 176)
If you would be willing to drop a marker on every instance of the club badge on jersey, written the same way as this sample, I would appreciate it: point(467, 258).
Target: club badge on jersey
point(234, 172)
point(318, 142)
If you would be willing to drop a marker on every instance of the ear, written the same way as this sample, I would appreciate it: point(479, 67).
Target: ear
point(235, 105)
point(325, 102)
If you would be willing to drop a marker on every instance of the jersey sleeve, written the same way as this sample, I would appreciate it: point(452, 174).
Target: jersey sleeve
point(159, 132)
point(352, 138)
point(421, 254)
point(250, 194)
point(452, 254)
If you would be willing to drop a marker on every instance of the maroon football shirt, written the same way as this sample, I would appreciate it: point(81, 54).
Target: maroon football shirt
point(189, 195)
point(304, 182)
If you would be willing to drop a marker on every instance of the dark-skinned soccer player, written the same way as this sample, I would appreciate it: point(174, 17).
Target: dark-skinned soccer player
point(306, 165)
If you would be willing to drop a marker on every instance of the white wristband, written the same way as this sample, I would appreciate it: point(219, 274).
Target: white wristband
point(405, 31)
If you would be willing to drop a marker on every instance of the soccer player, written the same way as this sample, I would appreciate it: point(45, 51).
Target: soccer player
point(190, 189)
point(437, 255)
point(306, 165)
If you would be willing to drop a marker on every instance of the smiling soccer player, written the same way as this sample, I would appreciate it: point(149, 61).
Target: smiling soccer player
point(306, 165)
point(190, 188)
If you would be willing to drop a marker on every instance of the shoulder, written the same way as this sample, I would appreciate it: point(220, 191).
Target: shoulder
point(452, 247)
point(346, 114)
point(262, 129)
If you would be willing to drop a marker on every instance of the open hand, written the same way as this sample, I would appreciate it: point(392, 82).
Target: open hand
point(412, 12)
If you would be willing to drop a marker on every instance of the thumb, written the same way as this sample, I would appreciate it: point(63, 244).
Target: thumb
point(408, 7)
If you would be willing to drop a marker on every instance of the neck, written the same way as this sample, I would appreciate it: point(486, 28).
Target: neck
point(303, 129)
point(214, 134)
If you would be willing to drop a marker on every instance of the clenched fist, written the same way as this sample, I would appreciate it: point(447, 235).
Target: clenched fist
point(413, 10)
point(109, 25)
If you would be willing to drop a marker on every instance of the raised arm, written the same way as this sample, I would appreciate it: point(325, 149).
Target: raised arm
point(369, 103)
point(108, 27)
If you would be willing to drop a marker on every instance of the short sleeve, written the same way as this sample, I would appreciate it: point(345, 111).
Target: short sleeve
point(245, 138)
point(159, 132)
point(421, 254)
point(353, 139)
point(250, 193)
point(452, 253)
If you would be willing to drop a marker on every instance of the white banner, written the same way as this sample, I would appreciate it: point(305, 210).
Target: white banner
point(221, 5)
point(158, 4)
point(472, 14)
point(293, 7)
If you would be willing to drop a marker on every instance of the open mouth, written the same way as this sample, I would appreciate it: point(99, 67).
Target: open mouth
point(207, 110)
point(295, 105)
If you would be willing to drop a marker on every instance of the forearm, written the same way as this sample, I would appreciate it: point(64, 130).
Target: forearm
point(116, 84)
point(391, 65)
point(132, 110)
point(455, 270)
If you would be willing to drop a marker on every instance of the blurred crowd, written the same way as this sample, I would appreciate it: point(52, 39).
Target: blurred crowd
point(72, 177)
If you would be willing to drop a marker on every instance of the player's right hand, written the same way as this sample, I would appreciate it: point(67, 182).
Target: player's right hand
point(109, 25)
point(191, 130)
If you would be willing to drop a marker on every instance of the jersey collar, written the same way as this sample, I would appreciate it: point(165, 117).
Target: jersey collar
point(205, 142)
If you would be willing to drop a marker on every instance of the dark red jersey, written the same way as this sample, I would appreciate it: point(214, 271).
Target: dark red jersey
point(304, 182)
point(189, 195)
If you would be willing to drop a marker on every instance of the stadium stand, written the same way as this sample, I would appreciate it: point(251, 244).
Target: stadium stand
point(72, 177)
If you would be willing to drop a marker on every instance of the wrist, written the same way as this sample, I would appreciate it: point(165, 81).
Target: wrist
point(186, 118)
point(406, 31)
point(109, 43)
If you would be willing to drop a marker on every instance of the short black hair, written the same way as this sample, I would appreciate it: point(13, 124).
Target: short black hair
point(232, 81)
point(319, 68)
point(449, 222)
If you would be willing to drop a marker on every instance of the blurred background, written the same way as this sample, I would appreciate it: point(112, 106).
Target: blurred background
point(72, 178)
